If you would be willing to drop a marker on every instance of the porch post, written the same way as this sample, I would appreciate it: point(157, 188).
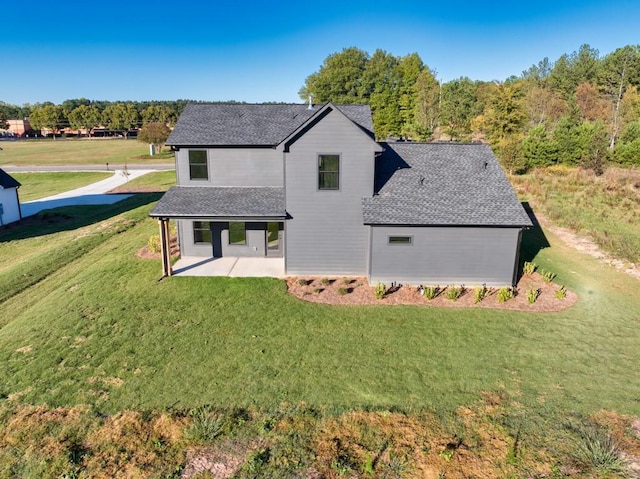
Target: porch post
point(168, 247)
point(164, 247)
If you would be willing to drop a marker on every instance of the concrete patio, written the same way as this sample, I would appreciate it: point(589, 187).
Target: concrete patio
point(229, 266)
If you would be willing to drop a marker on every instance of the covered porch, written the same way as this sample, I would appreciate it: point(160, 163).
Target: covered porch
point(224, 231)
point(235, 267)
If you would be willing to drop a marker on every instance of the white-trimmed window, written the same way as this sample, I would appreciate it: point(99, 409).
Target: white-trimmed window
point(202, 232)
point(402, 240)
point(198, 169)
point(329, 172)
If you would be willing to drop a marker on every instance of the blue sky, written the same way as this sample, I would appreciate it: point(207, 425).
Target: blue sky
point(262, 51)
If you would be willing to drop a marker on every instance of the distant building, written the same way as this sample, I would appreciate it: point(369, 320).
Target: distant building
point(19, 128)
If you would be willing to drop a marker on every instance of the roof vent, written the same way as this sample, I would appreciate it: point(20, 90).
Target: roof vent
point(422, 181)
point(310, 107)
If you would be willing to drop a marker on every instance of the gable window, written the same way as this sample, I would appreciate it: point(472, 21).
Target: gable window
point(202, 232)
point(328, 172)
point(198, 165)
point(237, 233)
point(400, 239)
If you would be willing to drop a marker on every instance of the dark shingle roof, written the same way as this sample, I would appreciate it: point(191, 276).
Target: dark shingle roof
point(219, 124)
point(442, 184)
point(211, 201)
point(8, 181)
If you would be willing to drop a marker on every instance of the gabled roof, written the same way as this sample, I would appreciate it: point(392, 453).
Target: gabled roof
point(8, 181)
point(239, 124)
point(442, 184)
point(221, 202)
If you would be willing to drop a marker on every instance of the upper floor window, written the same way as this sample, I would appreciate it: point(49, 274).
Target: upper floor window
point(328, 172)
point(198, 169)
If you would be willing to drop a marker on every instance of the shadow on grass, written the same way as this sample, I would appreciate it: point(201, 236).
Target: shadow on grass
point(533, 239)
point(72, 217)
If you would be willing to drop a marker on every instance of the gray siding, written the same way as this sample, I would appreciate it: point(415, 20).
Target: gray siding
point(445, 255)
point(234, 167)
point(256, 240)
point(325, 234)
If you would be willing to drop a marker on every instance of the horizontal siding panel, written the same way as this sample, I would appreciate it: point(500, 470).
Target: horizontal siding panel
point(445, 255)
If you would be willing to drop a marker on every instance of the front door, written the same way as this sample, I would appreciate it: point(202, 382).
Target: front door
point(274, 239)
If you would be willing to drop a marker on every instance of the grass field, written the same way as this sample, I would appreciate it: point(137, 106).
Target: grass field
point(78, 152)
point(605, 208)
point(86, 326)
point(39, 185)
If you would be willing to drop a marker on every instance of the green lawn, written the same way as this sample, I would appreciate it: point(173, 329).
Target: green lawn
point(157, 181)
point(78, 152)
point(39, 185)
point(84, 320)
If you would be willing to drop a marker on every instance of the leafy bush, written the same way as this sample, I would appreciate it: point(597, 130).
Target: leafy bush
point(154, 244)
point(302, 282)
point(454, 292)
point(532, 295)
point(325, 281)
point(480, 293)
point(561, 293)
point(529, 268)
point(505, 294)
point(342, 291)
point(430, 292)
point(380, 291)
point(547, 276)
point(597, 450)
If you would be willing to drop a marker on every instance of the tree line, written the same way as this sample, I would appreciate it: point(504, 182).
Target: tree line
point(582, 109)
point(84, 114)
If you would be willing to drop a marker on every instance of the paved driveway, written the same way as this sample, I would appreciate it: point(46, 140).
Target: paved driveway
point(93, 194)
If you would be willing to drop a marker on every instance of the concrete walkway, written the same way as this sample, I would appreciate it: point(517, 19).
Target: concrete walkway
point(93, 194)
point(230, 266)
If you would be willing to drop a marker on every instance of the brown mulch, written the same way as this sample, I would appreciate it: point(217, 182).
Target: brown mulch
point(124, 189)
point(357, 291)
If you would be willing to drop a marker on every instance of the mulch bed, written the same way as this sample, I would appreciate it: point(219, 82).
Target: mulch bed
point(357, 291)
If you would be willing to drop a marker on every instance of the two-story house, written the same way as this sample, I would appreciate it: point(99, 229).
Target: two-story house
point(311, 185)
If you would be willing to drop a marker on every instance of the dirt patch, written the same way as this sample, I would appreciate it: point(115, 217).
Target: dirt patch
point(357, 291)
point(125, 189)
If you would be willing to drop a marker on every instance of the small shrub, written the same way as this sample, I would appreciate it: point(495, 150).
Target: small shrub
point(318, 290)
point(454, 292)
point(342, 291)
point(547, 276)
point(480, 293)
point(206, 425)
point(529, 268)
point(154, 244)
point(430, 292)
point(505, 294)
point(380, 290)
point(532, 295)
point(325, 281)
point(561, 293)
point(346, 281)
point(302, 282)
point(598, 450)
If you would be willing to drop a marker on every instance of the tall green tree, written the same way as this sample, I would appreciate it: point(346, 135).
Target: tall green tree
point(154, 133)
point(338, 79)
point(458, 106)
point(158, 113)
point(85, 117)
point(50, 117)
point(426, 114)
point(120, 116)
point(505, 113)
point(620, 69)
